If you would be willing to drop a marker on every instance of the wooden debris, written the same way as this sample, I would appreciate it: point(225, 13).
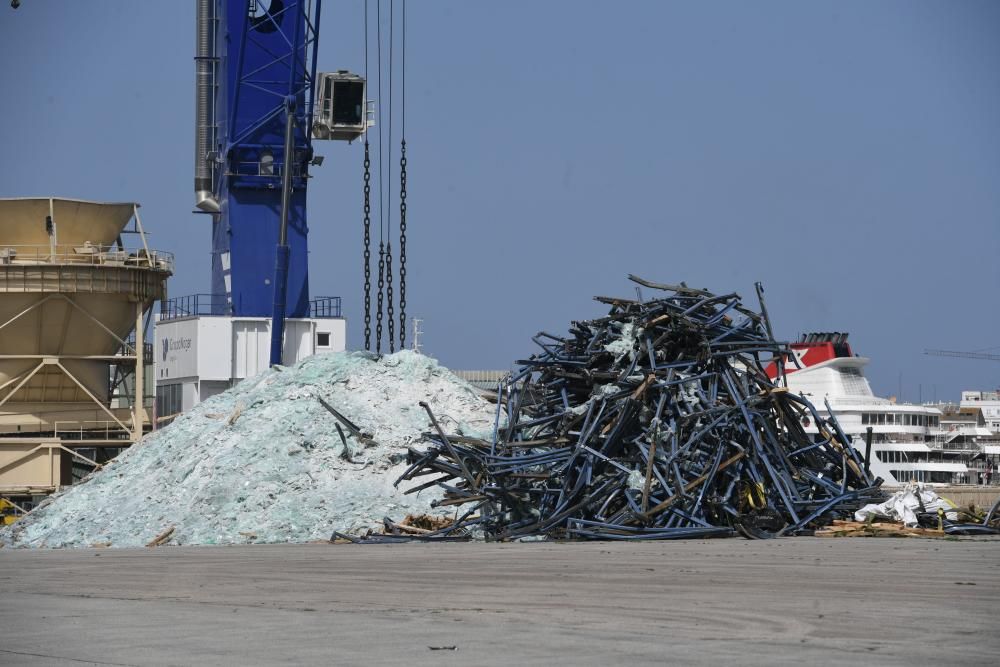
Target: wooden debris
point(161, 538)
point(875, 529)
point(236, 414)
point(426, 522)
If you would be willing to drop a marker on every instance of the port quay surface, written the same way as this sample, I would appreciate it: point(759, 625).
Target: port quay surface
point(840, 601)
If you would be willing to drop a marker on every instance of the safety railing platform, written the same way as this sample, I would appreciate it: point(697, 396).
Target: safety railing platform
point(86, 254)
point(207, 305)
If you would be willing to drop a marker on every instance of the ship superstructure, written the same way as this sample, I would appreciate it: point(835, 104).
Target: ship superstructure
point(907, 440)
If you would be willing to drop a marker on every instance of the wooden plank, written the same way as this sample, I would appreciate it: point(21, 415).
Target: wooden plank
point(161, 538)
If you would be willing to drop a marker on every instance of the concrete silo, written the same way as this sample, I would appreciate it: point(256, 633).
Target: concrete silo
point(76, 281)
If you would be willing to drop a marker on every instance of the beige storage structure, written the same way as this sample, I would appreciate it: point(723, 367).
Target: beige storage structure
point(73, 295)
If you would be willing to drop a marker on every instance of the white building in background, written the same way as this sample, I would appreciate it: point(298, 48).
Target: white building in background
point(197, 356)
point(988, 402)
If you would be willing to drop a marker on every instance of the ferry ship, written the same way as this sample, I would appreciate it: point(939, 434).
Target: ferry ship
point(907, 440)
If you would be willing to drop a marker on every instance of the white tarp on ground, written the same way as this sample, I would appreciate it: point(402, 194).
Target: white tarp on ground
point(279, 472)
point(905, 503)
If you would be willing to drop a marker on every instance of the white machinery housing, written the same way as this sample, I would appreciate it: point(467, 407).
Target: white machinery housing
point(199, 356)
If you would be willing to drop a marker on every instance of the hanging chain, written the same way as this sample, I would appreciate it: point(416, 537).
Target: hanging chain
point(381, 286)
point(388, 199)
point(368, 249)
point(388, 281)
point(402, 244)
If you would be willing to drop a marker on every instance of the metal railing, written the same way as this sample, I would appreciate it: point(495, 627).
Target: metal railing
point(88, 254)
point(194, 305)
point(257, 169)
point(90, 430)
point(325, 307)
point(147, 348)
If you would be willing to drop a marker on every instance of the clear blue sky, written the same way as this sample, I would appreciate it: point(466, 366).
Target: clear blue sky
point(847, 154)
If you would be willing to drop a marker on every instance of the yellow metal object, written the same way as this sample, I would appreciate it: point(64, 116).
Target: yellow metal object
point(752, 496)
point(9, 512)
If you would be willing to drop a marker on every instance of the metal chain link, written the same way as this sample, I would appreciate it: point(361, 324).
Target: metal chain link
point(368, 250)
point(388, 281)
point(381, 286)
point(402, 244)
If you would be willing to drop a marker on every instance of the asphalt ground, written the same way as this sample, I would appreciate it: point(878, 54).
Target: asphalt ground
point(844, 601)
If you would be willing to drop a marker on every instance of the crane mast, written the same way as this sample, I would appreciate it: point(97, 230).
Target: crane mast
point(256, 65)
point(259, 105)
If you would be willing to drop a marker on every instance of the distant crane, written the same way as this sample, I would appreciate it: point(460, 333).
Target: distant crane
point(963, 355)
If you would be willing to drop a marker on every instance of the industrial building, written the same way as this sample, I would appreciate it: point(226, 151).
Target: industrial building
point(77, 283)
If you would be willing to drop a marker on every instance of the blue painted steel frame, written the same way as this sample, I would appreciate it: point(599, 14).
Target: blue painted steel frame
point(263, 60)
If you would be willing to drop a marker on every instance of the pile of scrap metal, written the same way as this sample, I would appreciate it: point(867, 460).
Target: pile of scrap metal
point(655, 422)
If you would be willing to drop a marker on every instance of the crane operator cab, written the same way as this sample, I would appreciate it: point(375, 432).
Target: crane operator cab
point(341, 110)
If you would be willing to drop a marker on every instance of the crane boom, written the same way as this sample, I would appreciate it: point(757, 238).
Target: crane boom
point(963, 355)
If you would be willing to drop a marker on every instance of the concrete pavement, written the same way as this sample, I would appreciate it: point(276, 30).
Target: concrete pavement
point(790, 601)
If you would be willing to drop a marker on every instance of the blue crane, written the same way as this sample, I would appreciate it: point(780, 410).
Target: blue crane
point(256, 100)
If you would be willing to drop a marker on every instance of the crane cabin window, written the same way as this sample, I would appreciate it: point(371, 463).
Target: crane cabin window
point(327, 98)
point(348, 102)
